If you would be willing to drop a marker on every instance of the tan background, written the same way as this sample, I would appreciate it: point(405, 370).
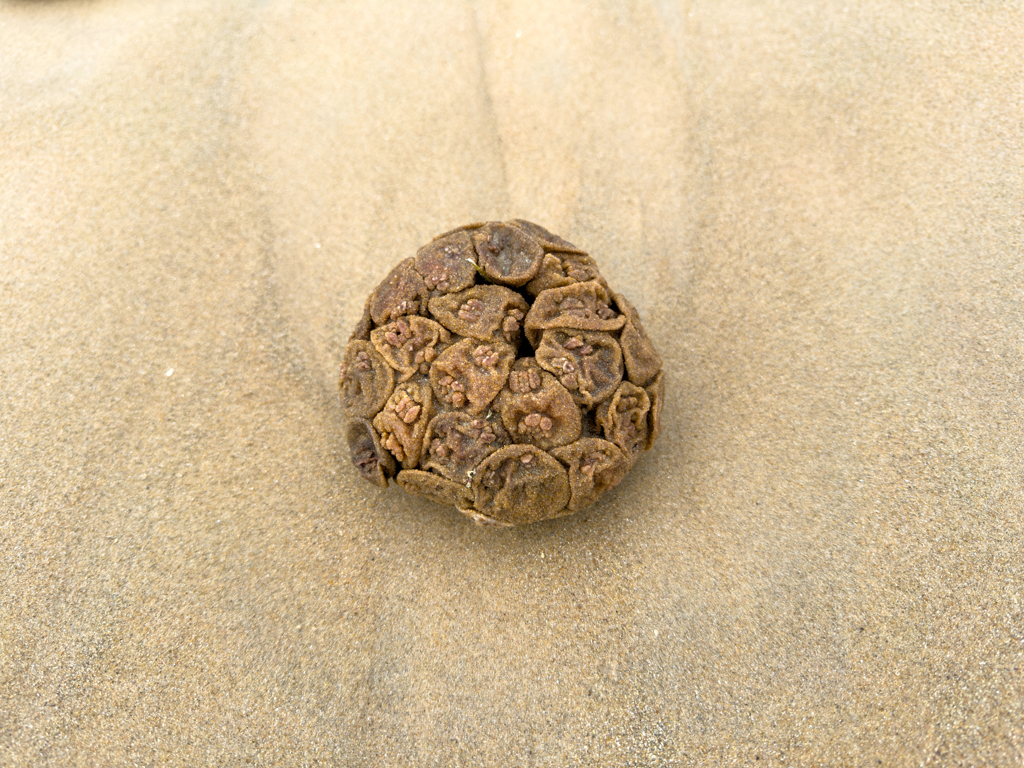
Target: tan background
point(817, 207)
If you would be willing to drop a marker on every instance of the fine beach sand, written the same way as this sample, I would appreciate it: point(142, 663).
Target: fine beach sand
point(815, 206)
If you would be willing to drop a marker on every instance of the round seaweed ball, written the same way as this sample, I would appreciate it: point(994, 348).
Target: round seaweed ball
point(498, 371)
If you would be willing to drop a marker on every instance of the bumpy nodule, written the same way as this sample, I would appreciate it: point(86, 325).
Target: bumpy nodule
point(497, 371)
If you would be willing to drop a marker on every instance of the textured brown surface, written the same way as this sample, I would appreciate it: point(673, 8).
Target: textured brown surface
point(816, 208)
point(497, 367)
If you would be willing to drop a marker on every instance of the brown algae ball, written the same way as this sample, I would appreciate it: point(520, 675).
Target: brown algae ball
point(498, 372)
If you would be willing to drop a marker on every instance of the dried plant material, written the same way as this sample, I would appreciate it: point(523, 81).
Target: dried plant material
point(366, 380)
point(544, 414)
point(594, 466)
point(373, 462)
point(624, 419)
point(403, 422)
point(526, 376)
point(439, 489)
point(482, 519)
point(447, 264)
point(470, 374)
point(457, 442)
point(507, 255)
point(557, 270)
point(656, 392)
point(362, 330)
point(520, 484)
point(548, 240)
point(588, 364)
point(485, 312)
point(584, 306)
point(442, 388)
point(403, 292)
point(410, 344)
point(641, 359)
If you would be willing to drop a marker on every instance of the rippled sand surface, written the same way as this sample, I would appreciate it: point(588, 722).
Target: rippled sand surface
point(816, 207)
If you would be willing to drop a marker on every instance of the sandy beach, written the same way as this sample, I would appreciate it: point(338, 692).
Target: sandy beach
point(815, 206)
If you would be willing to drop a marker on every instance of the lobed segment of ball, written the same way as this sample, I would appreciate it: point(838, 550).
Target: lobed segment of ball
point(497, 371)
